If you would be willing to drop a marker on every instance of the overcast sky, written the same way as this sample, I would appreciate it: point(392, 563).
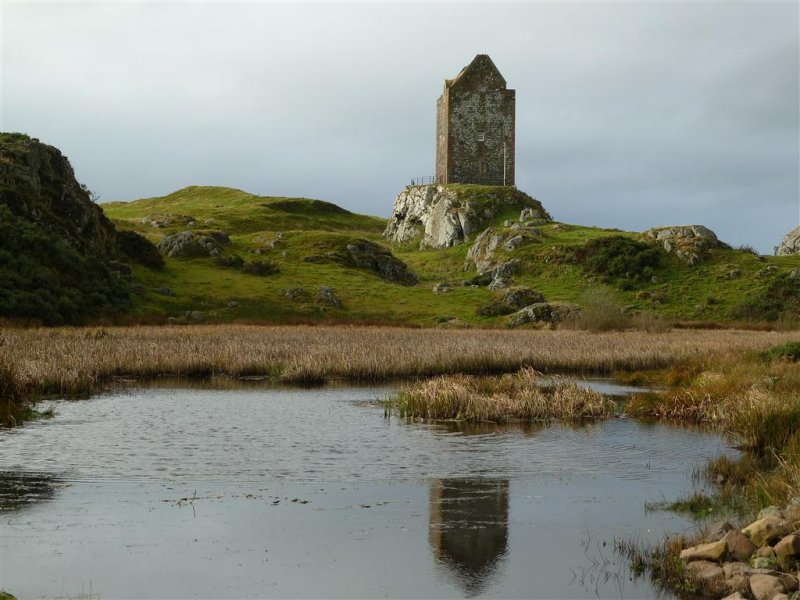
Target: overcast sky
point(629, 115)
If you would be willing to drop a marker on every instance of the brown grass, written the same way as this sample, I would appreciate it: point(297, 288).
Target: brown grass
point(78, 360)
point(523, 396)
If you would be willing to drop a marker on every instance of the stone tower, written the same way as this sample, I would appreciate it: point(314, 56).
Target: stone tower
point(475, 127)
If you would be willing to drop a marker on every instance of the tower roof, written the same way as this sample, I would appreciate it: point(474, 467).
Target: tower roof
point(481, 63)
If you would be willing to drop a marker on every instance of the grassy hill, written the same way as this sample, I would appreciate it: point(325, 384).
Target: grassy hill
point(299, 237)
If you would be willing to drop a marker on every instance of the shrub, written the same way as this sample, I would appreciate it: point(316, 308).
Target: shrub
point(601, 312)
point(779, 299)
point(140, 249)
point(620, 259)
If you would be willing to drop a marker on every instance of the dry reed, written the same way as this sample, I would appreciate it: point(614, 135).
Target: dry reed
point(78, 360)
point(523, 396)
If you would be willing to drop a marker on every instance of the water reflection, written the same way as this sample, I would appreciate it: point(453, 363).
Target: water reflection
point(20, 489)
point(468, 530)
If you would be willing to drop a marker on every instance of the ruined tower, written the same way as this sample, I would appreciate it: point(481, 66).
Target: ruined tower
point(475, 127)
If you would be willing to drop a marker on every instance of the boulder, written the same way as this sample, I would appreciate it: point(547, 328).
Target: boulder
point(484, 253)
point(788, 547)
point(194, 315)
point(194, 243)
point(295, 294)
point(737, 575)
point(442, 216)
point(735, 596)
point(544, 312)
point(367, 255)
point(510, 300)
point(763, 530)
point(442, 288)
point(705, 571)
point(790, 244)
point(326, 296)
point(792, 511)
point(713, 551)
point(688, 242)
point(717, 530)
point(766, 587)
point(739, 545)
point(499, 283)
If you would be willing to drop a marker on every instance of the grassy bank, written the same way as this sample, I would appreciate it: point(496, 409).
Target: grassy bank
point(70, 361)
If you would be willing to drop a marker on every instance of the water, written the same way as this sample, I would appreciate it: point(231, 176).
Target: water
point(265, 492)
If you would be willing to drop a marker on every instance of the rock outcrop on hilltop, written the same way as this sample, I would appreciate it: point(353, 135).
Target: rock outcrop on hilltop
point(790, 244)
point(688, 242)
point(61, 259)
point(441, 216)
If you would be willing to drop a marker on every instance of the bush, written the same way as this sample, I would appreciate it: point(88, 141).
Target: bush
point(619, 259)
point(140, 249)
point(779, 299)
point(601, 312)
point(789, 350)
point(46, 280)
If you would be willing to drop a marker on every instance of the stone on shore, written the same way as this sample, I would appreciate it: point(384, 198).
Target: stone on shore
point(713, 551)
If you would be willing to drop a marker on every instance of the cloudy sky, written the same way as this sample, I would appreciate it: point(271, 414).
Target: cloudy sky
point(629, 115)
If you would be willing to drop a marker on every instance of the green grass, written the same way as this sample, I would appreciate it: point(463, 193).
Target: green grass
point(305, 230)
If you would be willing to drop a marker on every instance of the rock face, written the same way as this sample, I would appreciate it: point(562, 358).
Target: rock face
point(790, 244)
point(443, 216)
point(687, 242)
point(485, 252)
point(191, 243)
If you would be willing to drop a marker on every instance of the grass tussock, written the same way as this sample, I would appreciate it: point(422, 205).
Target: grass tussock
point(523, 396)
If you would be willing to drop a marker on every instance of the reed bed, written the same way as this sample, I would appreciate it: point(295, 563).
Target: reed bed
point(523, 396)
point(79, 360)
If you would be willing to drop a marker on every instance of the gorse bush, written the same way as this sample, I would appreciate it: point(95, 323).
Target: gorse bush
point(619, 259)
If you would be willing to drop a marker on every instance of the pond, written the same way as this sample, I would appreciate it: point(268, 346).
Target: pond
point(275, 492)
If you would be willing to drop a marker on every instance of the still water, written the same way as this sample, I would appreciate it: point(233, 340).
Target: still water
point(275, 492)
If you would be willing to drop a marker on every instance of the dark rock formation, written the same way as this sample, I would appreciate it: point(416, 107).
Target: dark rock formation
point(61, 259)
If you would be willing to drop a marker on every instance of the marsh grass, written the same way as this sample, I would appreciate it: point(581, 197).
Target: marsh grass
point(521, 396)
point(78, 361)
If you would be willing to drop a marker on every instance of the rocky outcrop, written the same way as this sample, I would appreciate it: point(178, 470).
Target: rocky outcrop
point(790, 244)
point(442, 216)
point(65, 260)
point(366, 255)
point(544, 312)
point(486, 253)
point(168, 220)
point(194, 244)
point(510, 300)
point(688, 242)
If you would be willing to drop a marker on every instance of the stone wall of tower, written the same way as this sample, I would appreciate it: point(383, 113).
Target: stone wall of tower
point(475, 127)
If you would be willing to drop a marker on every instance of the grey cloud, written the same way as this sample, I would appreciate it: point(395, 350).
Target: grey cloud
point(629, 115)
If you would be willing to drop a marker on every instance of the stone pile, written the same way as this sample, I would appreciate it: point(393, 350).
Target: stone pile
point(759, 561)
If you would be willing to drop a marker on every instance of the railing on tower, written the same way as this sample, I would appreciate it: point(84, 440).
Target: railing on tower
point(425, 180)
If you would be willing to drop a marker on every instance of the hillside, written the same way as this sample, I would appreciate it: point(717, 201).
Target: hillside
point(61, 259)
point(283, 250)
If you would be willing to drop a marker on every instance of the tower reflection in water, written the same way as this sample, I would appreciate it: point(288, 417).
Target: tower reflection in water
point(468, 530)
